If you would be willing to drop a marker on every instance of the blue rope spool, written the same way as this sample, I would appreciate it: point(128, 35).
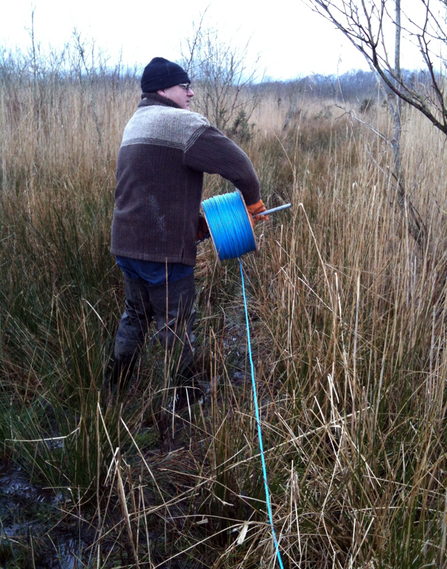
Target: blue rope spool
point(229, 224)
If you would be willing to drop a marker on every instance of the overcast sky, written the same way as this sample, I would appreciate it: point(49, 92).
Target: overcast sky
point(290, 39)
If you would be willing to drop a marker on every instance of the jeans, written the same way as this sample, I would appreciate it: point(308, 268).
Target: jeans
point(170, 305)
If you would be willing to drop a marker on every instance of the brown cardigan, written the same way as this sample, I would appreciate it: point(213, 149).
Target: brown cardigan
point(161, 161)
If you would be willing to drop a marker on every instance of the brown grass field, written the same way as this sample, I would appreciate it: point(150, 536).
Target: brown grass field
point(348, 330)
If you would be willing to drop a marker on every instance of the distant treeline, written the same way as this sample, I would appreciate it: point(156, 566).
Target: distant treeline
point(75, 64)
point(352, 86)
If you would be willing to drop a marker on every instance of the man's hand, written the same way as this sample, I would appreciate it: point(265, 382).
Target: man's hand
point(202, 229)
point(255, 210)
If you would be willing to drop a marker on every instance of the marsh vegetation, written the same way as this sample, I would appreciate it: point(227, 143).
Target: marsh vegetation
point(348, 327)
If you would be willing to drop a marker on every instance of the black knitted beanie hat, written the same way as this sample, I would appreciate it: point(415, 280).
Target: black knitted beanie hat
point(161, 74)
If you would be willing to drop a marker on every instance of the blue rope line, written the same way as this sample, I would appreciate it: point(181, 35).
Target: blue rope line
point(232, 235)
point(258, 422)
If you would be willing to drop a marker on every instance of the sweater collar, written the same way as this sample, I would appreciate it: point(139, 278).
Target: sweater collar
point(149, 99)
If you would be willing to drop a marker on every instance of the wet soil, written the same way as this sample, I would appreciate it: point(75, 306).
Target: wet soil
point(28, 534)
point(41, 528)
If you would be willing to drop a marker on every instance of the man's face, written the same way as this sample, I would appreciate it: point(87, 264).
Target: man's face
point(180, 94)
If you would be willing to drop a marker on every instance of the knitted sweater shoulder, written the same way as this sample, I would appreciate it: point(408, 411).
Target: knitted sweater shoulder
point(164, 125)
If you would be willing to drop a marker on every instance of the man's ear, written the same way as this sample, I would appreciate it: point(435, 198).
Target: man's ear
point(161, 93)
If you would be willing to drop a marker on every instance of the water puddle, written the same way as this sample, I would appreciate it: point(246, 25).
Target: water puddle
point(29, 533)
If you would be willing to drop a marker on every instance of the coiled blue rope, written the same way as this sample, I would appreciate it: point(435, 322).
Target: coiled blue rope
point(229, 225)
point(233, 236)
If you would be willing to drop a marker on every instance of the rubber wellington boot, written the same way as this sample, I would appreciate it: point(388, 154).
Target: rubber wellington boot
point(119, 378)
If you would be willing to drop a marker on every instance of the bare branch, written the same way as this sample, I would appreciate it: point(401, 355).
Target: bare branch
point(219, 70)
point(364, 24)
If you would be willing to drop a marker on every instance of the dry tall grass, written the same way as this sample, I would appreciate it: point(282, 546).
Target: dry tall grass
point(348, 329)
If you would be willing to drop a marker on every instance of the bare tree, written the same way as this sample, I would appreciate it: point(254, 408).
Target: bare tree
point(224, 80)
point(397, 110)
point(368, 25)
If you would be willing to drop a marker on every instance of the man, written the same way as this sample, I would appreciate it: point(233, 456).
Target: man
point(165, 150)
